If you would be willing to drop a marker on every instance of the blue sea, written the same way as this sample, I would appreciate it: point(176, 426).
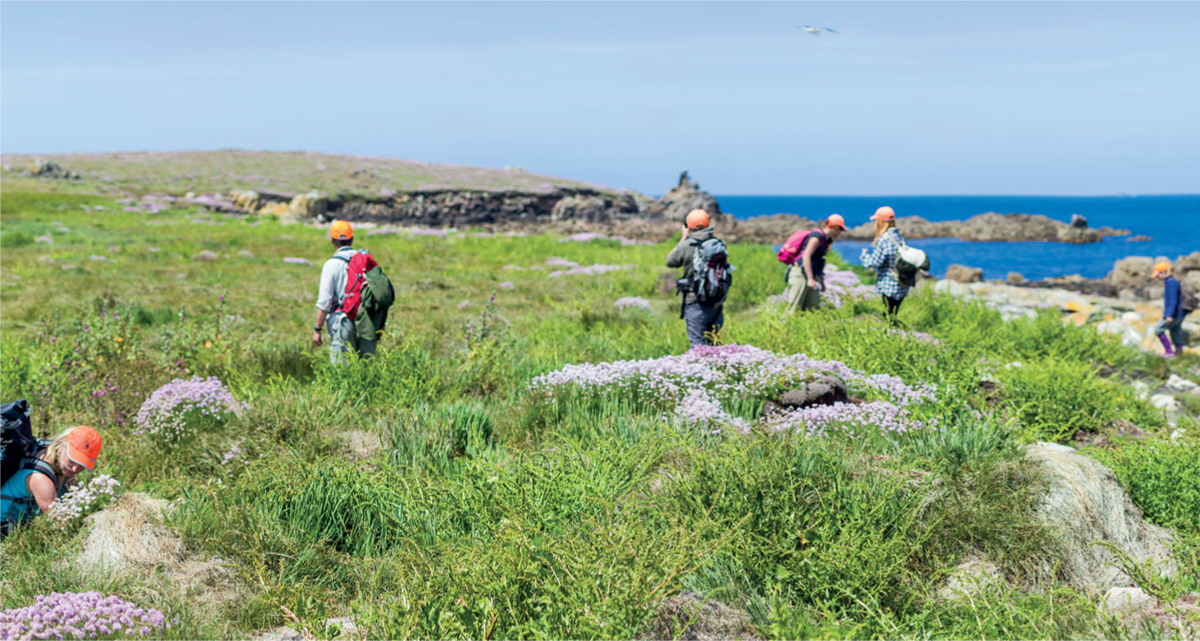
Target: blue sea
point(1172, 221)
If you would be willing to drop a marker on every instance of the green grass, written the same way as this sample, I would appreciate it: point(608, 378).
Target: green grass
point(489, 511)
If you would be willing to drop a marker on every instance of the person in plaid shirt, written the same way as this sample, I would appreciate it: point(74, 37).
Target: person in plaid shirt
point(882, 257)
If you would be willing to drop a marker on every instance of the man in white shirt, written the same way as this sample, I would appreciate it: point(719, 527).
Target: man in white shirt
point(332, 293)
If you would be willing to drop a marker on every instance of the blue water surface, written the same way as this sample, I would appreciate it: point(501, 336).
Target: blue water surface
point(1173, 222)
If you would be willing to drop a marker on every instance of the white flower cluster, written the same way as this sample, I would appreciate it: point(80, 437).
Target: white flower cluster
point(78, 499)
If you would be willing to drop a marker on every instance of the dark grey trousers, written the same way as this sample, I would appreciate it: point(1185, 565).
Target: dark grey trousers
point(701, 320)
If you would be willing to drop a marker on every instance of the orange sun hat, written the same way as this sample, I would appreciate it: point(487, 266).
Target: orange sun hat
point(884, 213)
point(1161, 268)
point(341, 230)
point(836, 220)
point(83, 446)
point(697, 218)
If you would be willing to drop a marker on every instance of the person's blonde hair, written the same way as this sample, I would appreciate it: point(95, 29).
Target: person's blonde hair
point(55, 450)
point(882, 226)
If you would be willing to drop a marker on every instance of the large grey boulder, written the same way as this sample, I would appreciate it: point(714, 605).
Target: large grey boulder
point(1131, 272)
point(1086, 507)
point(964, 274)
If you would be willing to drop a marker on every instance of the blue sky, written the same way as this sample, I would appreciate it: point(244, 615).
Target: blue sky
point(910, 98)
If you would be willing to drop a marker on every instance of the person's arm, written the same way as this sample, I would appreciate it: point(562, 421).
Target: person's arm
point(872, 257)
point(42, 489)
point(326, 300)
point(677, 257)
point(1170, 301)
point(810, 249)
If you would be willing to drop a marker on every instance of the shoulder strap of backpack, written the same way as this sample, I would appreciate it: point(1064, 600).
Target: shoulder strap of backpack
point(340, 257)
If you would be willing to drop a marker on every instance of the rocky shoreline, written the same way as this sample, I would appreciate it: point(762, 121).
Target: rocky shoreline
point(504, 201)
point(1126, 302)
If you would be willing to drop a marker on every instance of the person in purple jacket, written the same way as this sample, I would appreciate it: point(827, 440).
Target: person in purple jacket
point(1172, 320)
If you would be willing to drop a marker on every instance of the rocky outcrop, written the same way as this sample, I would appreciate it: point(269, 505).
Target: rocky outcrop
point(50, 169)
point(1091, 515)
point(993, 227)
point(990, 227)
point(964, 274)
point(683, 198)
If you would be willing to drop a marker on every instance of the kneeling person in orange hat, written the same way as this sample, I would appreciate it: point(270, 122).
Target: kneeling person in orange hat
point(47, 474)
point(331, 296)
point(806, 275)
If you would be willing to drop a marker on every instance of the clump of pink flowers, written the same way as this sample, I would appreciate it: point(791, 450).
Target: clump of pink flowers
point(80, 615)
point(297, 261)
point(168, 411)
point(78, 499)
point(699, 384)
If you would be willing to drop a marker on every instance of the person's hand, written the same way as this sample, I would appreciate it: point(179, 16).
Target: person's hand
point(812, 284)
point(1169, 319)
point(685, 232)
point(316, 338)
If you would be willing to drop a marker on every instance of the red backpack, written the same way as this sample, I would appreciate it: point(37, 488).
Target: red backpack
point(791, 249)
point(356, 278)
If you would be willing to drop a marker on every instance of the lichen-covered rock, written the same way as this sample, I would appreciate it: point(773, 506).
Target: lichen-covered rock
point(1132, 271)
point(1087, 509)
point(691, 617)
point(826, 390)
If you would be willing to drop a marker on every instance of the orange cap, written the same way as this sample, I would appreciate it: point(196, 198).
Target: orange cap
point(340, 230)
point(1161, 268)
point(83, 446)
point(836, 220)
point(884, 213)
point(697, 218)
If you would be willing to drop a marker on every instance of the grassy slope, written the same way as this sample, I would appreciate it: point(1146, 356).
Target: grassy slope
point(490, 512)
point(177, 172)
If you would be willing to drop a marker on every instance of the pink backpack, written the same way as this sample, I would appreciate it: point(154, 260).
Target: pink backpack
point(795, 244)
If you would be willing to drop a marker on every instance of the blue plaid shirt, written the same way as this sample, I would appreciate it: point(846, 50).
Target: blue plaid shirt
point(881, 257)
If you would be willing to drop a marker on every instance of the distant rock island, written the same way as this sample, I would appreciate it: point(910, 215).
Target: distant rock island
point(309, 186)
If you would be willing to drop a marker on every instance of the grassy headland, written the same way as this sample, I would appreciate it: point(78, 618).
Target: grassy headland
point(436, 494)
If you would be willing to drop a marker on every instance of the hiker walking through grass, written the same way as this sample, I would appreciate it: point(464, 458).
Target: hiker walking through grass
point(46, 474)
point(331, 296)
point(804, 252)
point(706, 278)
point(1173, 312)
point(882, 257)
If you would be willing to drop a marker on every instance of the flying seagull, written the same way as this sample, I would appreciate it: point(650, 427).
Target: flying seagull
point(816, 31)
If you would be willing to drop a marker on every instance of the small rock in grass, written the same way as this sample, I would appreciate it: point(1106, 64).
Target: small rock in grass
point(1127, 599)
point(689, 616)
point(206, 256)
point(1179, 383)
point(969, 578)
point(1164, 402)
point(297, 261)
point(826, 390)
